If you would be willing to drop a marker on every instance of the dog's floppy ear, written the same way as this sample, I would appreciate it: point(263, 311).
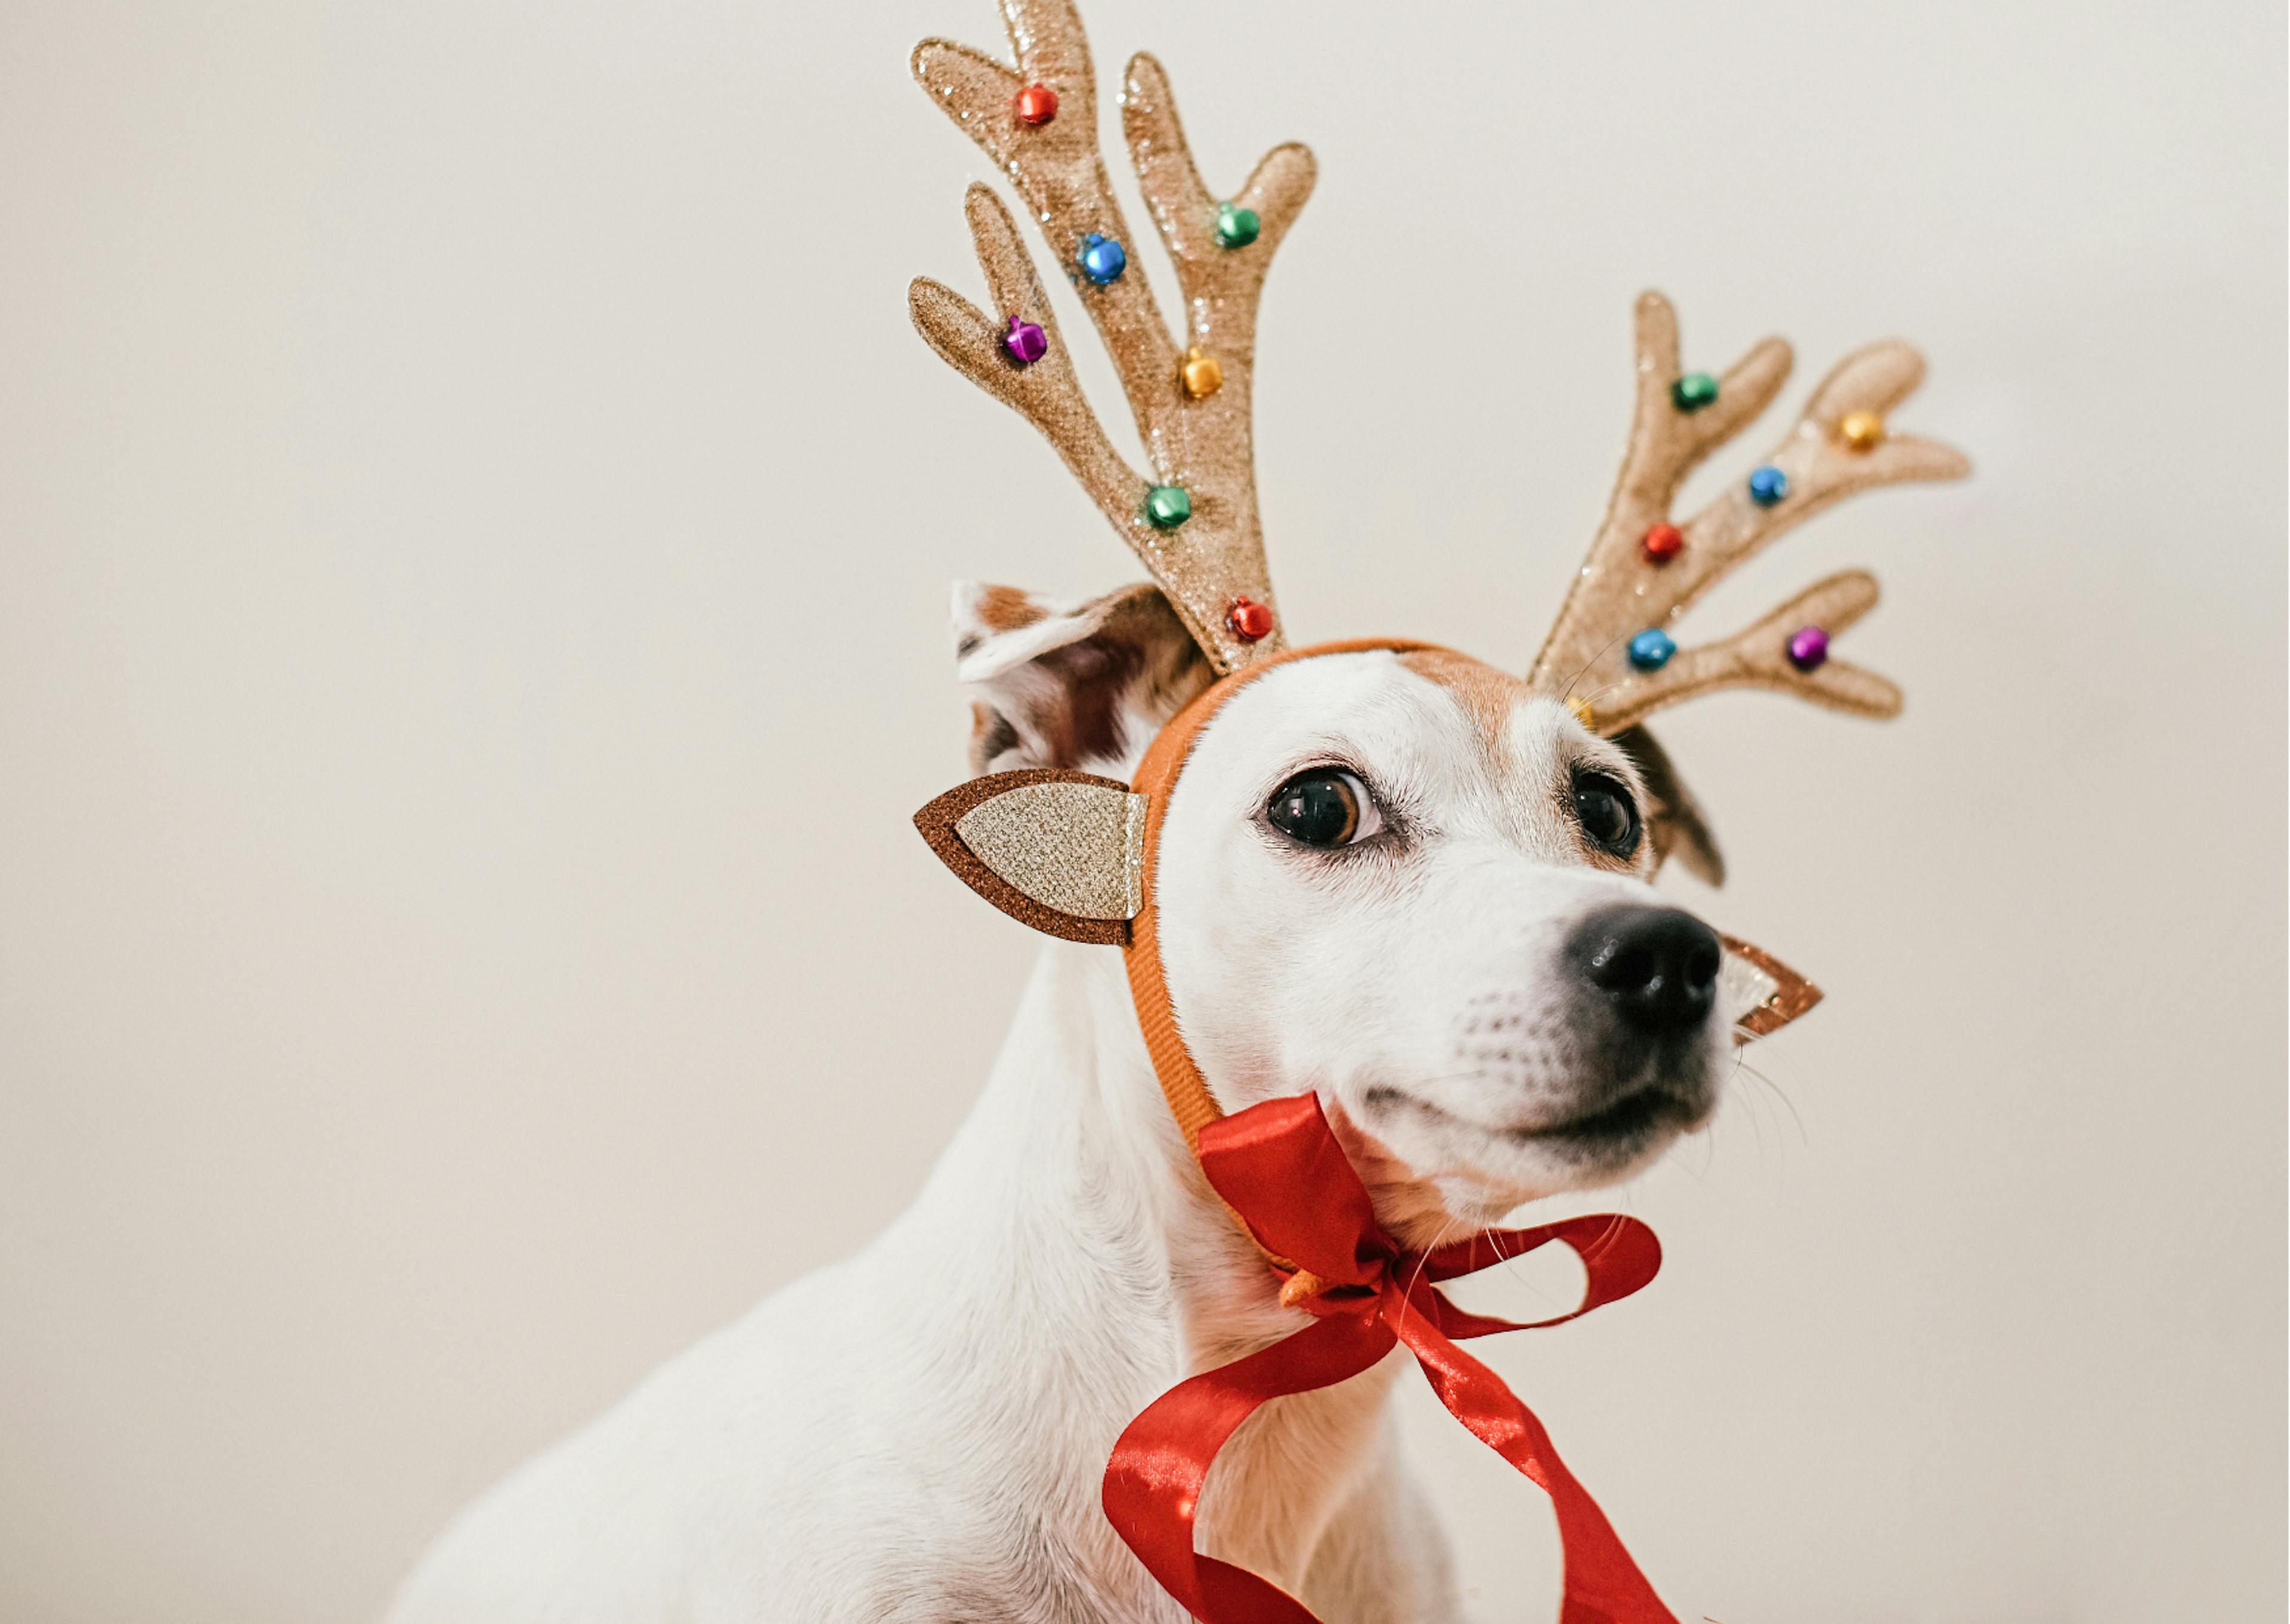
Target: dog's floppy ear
point(1675, 821)
point(1758, 993)
point(1070, 685)
point(1062, 852)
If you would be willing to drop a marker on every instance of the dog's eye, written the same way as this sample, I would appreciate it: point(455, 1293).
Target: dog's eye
point(1607, 813)
point(1324, 807)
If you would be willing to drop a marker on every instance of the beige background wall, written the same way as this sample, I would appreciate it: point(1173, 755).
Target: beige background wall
point(474, 525)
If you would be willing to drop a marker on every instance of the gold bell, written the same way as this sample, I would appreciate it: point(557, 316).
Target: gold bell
point(1304, 1285)
point(1201, 375)
point(1583, 713)
point(1862, 430)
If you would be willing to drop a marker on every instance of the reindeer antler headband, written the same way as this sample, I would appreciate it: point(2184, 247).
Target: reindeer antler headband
point(1073, 855)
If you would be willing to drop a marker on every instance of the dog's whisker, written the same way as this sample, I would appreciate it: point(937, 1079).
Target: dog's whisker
point(1594, 660)
point(1744, 1068)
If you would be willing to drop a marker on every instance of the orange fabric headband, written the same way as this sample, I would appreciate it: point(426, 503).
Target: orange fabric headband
point(1182, 1083)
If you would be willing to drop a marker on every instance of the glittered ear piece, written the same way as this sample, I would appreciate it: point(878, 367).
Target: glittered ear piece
point(1759, 994)
point(1062, 852)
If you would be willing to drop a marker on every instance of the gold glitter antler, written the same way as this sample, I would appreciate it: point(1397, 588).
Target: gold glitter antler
point(1194, 523)
point(1611, 646)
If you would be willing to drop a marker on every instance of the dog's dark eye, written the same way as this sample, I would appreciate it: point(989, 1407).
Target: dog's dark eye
point(1607, 813)
point(1324, 807)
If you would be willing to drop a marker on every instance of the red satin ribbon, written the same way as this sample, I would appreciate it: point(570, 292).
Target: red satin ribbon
point(1279, 1167)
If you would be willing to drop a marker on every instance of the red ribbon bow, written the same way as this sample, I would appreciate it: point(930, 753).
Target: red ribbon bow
point(1279, 1167)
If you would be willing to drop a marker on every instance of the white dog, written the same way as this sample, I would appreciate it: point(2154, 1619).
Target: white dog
point(1403, 881)
point(1406, 882)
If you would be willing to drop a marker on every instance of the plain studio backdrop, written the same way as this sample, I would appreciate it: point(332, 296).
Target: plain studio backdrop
point(475, 527)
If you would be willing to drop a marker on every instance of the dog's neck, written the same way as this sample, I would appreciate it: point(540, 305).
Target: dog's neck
point(1100, 1269)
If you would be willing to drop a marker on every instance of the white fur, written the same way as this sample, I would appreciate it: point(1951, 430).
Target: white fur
point(918, 1432)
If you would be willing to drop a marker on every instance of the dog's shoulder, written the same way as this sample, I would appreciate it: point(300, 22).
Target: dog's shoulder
point(723, 1457)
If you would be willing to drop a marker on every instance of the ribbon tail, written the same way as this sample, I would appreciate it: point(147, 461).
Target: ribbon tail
point(1152, 1488)
point(1603, 1585)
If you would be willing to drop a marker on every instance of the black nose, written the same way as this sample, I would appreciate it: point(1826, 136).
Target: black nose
point(1658, 965)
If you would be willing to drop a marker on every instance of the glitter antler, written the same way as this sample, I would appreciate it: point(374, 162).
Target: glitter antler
point(1611, 648)
point(1195, 524)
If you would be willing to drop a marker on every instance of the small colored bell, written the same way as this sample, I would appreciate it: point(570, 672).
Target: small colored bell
point(1201, 375)
point(1102, 260)
point(1693, 391)
point(1166, 507)
point(1250, 621)
point(1861, 430)
point(1650, 649)
point(1662, 543)
point(1026, 341)
point(1236, 228)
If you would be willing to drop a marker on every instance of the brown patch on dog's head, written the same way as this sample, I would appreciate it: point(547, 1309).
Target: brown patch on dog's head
point(1487, 696)
point(1069, 685)
point(994, 610)
point(1673, 820)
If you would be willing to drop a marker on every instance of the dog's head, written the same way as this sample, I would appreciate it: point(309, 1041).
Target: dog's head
point(1405, 881)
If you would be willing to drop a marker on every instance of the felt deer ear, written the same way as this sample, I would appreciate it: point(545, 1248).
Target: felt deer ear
point(1758, 993)
point(1062, 852)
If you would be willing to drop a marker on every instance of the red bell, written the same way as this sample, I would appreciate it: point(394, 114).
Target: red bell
point(1035, 105)
point(1250, 621)
point(1662, 542)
